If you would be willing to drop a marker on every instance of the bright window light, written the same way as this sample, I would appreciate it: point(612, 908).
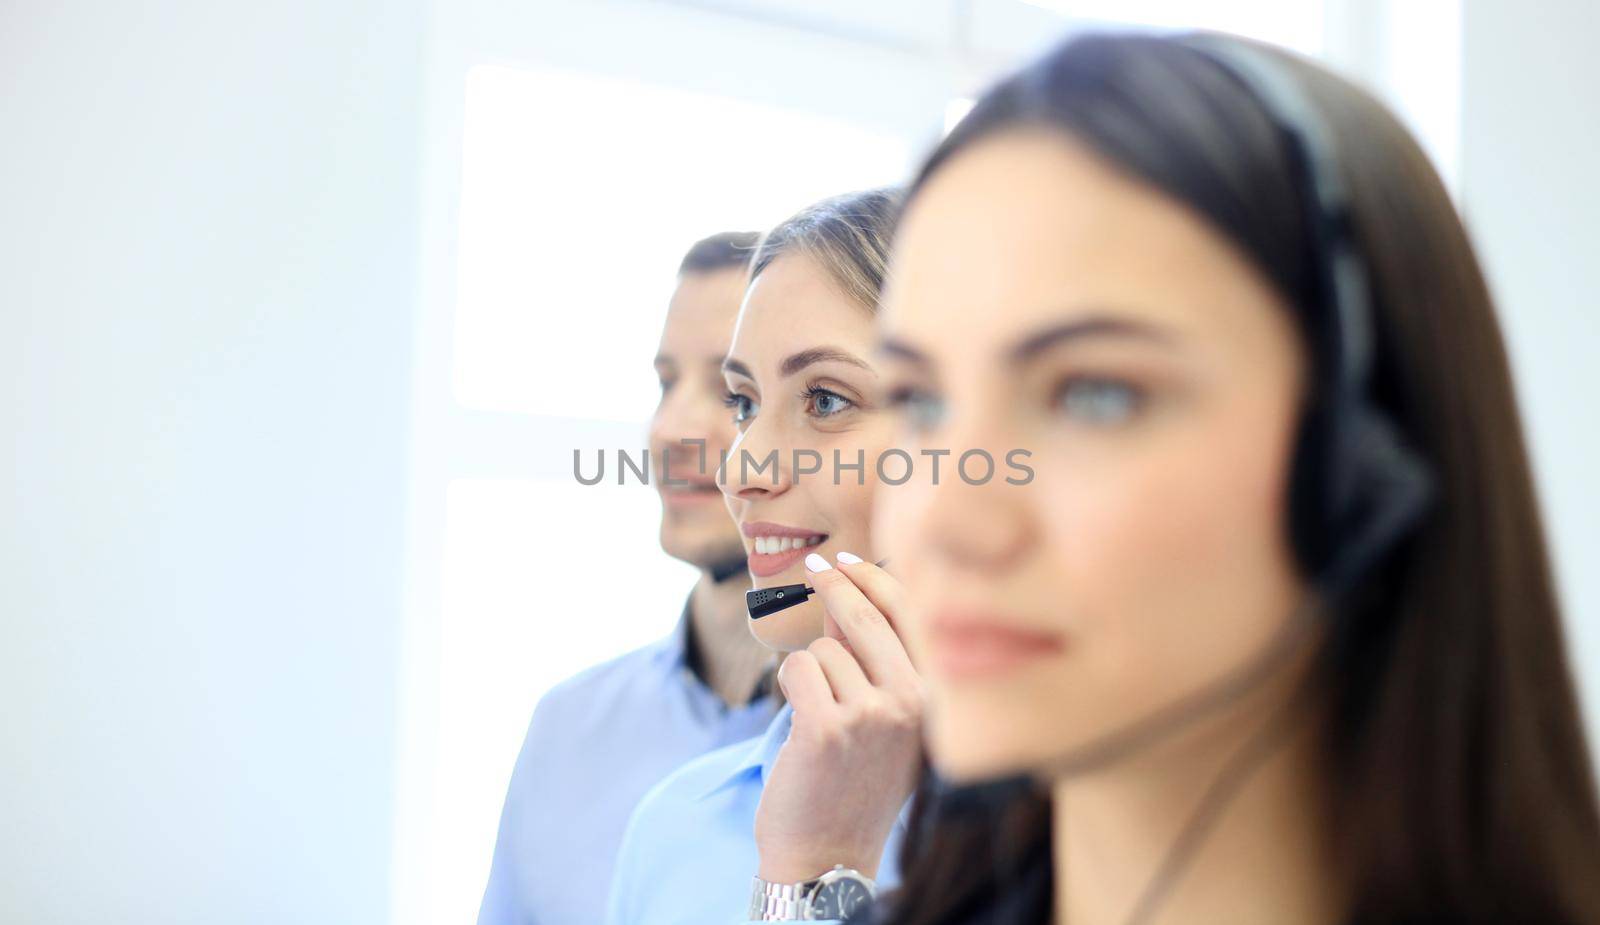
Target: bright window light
point(956, 110)
point(579, 196)
point(1421, 76)
point(1297, 25)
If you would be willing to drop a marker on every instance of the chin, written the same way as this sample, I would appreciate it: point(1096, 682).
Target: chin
point(794, 575)
point(970, 746)
point(977, 766)
point(788, 630)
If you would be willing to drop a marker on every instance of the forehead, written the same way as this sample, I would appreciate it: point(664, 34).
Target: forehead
point(1036, 223)
point(794, 305)
point(701, 313)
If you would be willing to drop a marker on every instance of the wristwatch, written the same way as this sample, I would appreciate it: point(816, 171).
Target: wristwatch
point(834, 895)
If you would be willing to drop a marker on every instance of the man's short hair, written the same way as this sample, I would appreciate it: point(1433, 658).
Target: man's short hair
point(729, 250)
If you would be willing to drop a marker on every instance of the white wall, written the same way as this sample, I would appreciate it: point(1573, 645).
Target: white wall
point(1530, 133)
point(207, 260)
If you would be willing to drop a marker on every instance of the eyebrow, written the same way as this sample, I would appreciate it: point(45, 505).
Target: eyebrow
point(1096, 326)
point(796, 362)
point(901, 350)
point(1093, 326)
point(805, 358)
point(665, 357)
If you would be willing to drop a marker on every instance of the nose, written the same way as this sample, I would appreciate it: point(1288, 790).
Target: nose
point(755, 469)
point(987, 526)
point(687, 412)
point(689, 430)
point(977, 526)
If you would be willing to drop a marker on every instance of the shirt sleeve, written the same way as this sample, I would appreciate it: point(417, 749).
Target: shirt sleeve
point(504, 900)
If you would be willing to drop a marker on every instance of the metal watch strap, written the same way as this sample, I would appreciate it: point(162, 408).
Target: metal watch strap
point(776, 902)
point(792, 902)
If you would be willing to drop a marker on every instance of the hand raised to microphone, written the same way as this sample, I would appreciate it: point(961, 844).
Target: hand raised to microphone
point(852, 755)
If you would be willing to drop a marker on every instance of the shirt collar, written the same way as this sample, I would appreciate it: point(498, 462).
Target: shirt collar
point(755, 762)
point(676, 653)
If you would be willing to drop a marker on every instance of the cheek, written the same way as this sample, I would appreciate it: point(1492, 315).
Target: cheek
point(1176, 562)
point(719, 441)
point(847, 496)
point(656, 434)
point(845, 507)
point(896, 509)
point(1164, 520)
point(897, 515)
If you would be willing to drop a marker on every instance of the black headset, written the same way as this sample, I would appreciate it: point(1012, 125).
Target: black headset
point(1357, 489)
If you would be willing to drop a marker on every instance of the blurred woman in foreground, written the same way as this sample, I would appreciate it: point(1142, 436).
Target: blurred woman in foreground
point(1272, 635)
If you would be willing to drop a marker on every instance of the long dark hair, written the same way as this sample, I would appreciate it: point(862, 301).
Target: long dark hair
point(1462, 785)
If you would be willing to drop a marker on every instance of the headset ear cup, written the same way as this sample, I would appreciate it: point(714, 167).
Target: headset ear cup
point(1391, 491)
point(1364, 491)
point(1312, 526)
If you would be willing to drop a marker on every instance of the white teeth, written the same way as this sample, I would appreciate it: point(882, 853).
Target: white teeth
point(772, 545)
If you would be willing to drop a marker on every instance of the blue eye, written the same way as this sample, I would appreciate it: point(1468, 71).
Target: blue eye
point(744, 407)
point(923, 410)
point(1100, 402)
point(824, 403)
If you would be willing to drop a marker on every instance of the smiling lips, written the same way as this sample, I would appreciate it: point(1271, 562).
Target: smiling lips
point(775, 547)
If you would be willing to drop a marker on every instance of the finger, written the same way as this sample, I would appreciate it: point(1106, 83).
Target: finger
point(831, 630)
point(804, 684)
point(884, 590)
point(868, 631)
point(845, 675)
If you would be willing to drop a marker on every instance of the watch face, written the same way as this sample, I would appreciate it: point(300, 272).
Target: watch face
point(840, 898)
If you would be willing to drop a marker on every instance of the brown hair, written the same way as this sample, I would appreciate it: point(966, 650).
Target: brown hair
point(848, 235)
point(1462, 784)
point(728, 250)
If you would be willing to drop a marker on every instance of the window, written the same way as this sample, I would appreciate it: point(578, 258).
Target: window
point(580, 194)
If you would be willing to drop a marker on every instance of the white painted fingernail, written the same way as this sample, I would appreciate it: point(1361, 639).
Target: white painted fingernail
point(816, 563)
point(848, 558)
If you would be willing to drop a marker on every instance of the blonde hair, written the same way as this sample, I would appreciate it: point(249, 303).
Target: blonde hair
point(849, 235)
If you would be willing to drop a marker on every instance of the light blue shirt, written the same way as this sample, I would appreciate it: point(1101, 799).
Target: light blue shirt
point(689, 856)
point(597, 742)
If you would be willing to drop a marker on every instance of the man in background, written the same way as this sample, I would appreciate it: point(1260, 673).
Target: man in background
point(599, 740)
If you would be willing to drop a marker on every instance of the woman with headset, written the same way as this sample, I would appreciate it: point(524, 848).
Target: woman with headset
point(1271, 636)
